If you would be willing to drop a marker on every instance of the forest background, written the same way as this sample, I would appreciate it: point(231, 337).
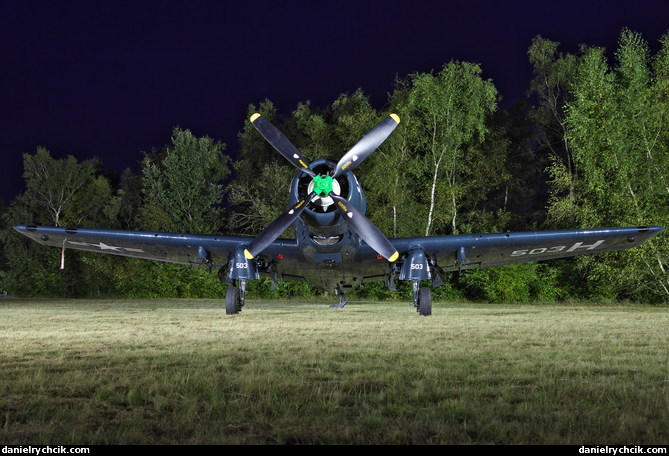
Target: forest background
point(588, 148)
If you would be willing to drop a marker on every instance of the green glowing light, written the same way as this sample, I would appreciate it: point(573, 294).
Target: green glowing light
point(322, 185)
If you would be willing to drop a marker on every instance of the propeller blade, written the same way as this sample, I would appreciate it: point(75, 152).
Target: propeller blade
point(273, 136)
point(274, 229)
point(368, 144)
point(365, 229)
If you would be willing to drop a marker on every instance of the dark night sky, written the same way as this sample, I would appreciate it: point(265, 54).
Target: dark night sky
point(112, 78)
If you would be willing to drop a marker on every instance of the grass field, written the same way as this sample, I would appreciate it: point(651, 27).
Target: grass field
point(181, 371)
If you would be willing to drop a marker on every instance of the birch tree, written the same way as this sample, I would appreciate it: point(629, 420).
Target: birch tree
point(51, 184)
point(442, 114)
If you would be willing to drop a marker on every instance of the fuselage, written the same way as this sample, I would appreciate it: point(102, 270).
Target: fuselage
point(336, 257)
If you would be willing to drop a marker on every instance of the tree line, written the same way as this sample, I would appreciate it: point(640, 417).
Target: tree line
point(588, 148)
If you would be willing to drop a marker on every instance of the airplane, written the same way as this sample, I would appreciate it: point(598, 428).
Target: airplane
point(336, 248)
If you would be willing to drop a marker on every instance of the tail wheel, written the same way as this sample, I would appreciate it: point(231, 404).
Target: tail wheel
point(233, 303)
point(425, 302)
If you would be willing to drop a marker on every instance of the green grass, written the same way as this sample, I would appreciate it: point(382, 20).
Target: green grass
point(181, 371)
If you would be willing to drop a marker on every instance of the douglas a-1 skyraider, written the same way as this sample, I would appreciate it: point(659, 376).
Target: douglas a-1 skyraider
point(336, 247)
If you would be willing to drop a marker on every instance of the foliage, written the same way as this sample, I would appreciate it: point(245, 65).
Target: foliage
point(265, 289)
point(617, 127)
point(181, 185)
point(189, 170)
point(443, 115)
point(52, 184)
point(148, 279)
point(58, 191)
point(524, 282)
point(257, 194)
point(552, 85)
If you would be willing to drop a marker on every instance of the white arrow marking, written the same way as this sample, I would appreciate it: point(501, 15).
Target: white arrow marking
point(104, 246)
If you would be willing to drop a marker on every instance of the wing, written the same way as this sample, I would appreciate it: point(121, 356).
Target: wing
point(450, 252)
point(195, 249)
point(486, 250)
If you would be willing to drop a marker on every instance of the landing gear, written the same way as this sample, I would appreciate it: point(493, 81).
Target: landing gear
point(343, 300)
point(417, 267)
point(235, 274)
point(422, 299)
point(232, 302)
point(234, 298)
point(425, 302)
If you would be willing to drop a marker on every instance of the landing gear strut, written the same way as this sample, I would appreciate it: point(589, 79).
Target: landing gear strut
point(234, 298)
point(238, 271)
point(416, 268)
point(343, 300)
point(422, 299)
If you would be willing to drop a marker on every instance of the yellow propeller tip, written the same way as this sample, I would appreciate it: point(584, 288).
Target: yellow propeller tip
point(395, 117)
point(394, 256)
point(248, 255)
point(254, 117)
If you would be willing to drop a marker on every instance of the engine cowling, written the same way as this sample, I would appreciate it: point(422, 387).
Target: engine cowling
point(321, 216)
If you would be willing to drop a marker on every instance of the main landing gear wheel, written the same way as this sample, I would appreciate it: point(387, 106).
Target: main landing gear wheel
point(422, 299)
point(425, 302)
point(233, 302)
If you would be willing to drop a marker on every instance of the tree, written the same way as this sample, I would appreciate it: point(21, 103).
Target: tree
point(58, 192)
point(129, 200)
point(259, 187)
point(51, 184)
point(181, 191)
point(442, 115)
point(388, 183)
point(554, 75)
point(616, 124)
point(181, 186)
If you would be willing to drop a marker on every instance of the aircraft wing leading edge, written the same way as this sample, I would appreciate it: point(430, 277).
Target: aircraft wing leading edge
point(487, 250)
point(169, 247)
point(450, 252)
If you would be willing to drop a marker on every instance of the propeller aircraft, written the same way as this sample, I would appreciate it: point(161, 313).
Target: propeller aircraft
point(336, 248)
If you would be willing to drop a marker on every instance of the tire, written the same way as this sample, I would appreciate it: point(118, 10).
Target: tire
point(425, 302)
point(232, 301)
